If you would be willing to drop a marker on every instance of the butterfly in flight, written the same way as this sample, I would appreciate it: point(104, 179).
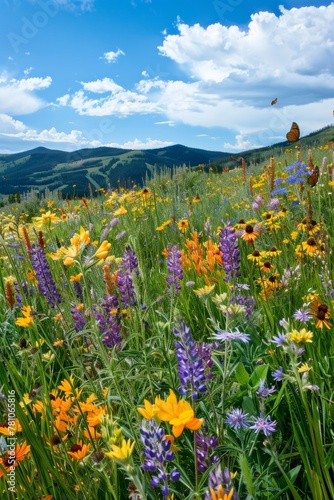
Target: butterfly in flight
point(313, 177)
point(294, 133)
point(274, 101)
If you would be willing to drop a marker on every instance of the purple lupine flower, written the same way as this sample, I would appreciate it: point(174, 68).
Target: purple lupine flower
point(157, 456)
point(205, 446)
point(248, 302)
point(108, 319)
point(114, 221)
point(218, 477)
point(190, 364)
point(266, 425)
point(79, 319)
point(46, 284)
point(230, 252)
point(237, 418)
point(78, 290)
point(129, 261)
point(205, 353)
point(120, 235)
point(174, 268)
point(263, 391)
point(126, 288)
point(18, 297)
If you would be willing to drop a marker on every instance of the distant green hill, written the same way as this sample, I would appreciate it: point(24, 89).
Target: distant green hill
point(42, 168)
point(262, 155)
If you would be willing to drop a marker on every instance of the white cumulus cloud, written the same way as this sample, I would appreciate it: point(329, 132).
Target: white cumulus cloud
point(18, 96)
point(112, 56)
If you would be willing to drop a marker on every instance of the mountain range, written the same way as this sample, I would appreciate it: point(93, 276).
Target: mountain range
point(84, 171)
point(42, 168)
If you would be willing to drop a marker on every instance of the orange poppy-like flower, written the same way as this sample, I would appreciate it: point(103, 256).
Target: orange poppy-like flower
point(11, 458)
point(178, 413)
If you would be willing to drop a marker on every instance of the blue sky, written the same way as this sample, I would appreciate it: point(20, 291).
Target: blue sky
point(143, 74)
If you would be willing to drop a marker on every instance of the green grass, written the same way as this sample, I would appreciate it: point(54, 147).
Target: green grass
point(75, 393)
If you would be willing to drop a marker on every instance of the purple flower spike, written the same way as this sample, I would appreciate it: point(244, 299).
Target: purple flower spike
point(174, 268)
point(230, 252)
point(46, 284)
point(190, 364)
point(158, 456)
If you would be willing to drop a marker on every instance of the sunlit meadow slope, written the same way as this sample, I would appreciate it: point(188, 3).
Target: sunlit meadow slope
point(172, 342)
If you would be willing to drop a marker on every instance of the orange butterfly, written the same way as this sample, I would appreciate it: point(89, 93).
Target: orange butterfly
point(294, 133)
point(313, 177)
point(274, 101)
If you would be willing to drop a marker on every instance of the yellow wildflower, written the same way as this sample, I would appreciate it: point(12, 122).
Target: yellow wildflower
point(27, 317)
point(300, 336)
point(122, 452)
point(102, 251)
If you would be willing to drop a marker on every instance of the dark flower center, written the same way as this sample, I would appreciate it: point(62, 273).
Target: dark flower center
point(76, 447)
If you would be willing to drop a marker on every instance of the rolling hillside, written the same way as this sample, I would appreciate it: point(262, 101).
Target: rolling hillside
point(59, 170)
point(73, 172)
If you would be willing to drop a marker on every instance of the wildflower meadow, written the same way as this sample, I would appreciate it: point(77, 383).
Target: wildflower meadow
point(173, 340)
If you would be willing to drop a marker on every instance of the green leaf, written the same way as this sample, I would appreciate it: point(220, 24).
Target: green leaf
point(258, 374)
point(241, 374)
point(247, 475)
point(248, 406)
point(293, 473)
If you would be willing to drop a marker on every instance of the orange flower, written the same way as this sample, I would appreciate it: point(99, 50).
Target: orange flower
point(221, 494)
point(321, 314)
point(149, 411)
point(12, 430)
point(11, 458)
point(79, 451)
point(178, 413)
point(250, 234)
